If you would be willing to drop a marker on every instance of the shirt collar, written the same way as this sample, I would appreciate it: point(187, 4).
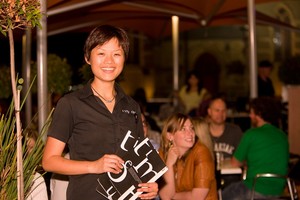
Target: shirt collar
point(87, 91)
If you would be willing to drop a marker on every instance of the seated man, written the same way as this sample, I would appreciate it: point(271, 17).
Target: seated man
point(263, 149)
point(225, 136)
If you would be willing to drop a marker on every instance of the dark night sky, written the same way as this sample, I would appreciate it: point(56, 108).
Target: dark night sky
point(69, 46)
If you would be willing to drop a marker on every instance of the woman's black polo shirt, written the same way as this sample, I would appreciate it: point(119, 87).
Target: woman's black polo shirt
point(88, 128)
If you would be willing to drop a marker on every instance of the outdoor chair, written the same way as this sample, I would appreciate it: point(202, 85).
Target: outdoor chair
point(292, 190)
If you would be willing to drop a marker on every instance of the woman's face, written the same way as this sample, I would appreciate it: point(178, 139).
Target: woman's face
point(184, 139)
point(193, 80)
point(107, 61)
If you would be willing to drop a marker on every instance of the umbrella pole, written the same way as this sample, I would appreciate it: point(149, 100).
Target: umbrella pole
point(175, 39)
point(252, 49)
point(42, 69)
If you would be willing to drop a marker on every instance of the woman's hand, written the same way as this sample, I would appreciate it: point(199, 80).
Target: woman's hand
point(173, 155)
point(149, 190)
point(107, 163)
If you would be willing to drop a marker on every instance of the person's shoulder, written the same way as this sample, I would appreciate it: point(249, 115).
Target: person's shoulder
point(199, 147)
point(183, 89)
point(72, 96)
point(200, 152)
point(275, 129)
point(254, 132)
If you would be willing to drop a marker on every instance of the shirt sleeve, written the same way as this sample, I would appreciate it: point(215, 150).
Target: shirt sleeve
point(204, 168)
point(62, 121)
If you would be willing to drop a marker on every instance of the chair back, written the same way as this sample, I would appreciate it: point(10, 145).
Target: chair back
point(291, 184)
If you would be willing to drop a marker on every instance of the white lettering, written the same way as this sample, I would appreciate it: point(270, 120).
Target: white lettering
point(125, 140)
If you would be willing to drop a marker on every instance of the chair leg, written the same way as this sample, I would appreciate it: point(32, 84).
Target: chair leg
point(220, 194)
point(292, 189)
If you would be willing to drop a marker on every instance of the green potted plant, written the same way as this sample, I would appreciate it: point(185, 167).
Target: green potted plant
point(289, 74)
point(15, 14)
point(8, 154)
point(58, 74)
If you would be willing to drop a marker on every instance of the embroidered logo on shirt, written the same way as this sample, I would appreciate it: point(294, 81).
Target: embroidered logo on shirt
point(132, 112)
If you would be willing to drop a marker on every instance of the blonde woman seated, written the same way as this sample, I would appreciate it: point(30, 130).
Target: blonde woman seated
point(191, 172)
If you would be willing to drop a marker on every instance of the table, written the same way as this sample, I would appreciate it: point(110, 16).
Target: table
point(226, 168)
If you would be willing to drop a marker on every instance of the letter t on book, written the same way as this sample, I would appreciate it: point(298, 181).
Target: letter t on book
point(142, 165)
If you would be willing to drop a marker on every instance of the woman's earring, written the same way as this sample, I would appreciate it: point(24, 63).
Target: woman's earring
point(170, 143)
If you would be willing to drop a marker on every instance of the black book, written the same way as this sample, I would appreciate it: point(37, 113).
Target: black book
point(142, 165)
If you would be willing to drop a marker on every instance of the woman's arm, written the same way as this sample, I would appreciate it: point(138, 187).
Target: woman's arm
point(204, 172)
point(168, 190)
point(195, 194)
point(236, 163)
point(53, 161)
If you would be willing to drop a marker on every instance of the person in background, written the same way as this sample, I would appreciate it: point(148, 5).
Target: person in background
point(263, 149)
point(192, 93)
point(190, 164)
point(225, 136)
point(153, 136)
point(141, 98)
point(264, 83)
point(93, 121)
point(38, 189)
point(202, 132)
point(59, 184)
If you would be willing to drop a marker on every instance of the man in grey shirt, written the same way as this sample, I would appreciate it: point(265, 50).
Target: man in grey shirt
point(225, 136)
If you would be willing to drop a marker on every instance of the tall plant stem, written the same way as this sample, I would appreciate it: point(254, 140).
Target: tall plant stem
point(16, 97)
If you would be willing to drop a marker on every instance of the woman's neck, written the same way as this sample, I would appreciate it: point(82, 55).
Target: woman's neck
point(105, 89)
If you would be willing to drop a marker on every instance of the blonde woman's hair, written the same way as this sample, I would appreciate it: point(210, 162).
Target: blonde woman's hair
point(172, 124)
point(202, 132)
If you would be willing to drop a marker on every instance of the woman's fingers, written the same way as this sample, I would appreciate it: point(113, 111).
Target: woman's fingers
point(149, 190)
point(110, 163)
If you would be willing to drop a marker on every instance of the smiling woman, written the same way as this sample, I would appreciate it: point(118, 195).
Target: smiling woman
point(191, 166)
point(92, 121)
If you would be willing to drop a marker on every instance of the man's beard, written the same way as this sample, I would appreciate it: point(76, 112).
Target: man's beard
point(254, 122)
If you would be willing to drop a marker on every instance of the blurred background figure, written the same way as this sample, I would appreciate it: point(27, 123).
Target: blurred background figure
point(202, 132)
point(191, 166)
point(59, 184)
point(153, 136)
point(38, 189)
point(263, 149)
point(264, 83)
point(170, 108)
point(141, 98)
point(226, 136)
point(192, 93)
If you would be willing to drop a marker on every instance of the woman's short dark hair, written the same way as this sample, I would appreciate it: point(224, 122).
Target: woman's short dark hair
point(103, 34)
